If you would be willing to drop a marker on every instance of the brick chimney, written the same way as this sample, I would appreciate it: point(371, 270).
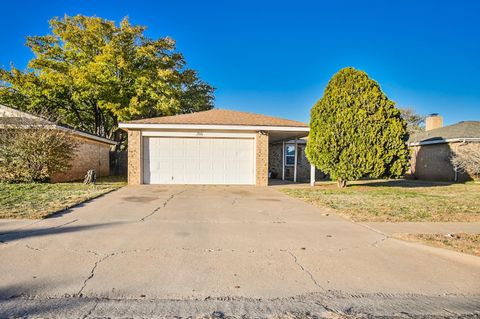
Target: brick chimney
point(433, 121)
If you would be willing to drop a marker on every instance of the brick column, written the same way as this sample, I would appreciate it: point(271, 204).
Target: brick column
point(261, 158)
point(134, 157)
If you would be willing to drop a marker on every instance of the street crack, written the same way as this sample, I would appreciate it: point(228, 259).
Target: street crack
point(32, 248)
point(376, 243)
point(91, 310)
point(164, 204)
point(92, 273)
point(65, 224)
point(305, 270)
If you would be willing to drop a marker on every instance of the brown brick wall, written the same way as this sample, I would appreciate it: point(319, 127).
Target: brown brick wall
point(261, 158)
point(89, 155)
point(432, 162)
point(135, 157)
point(275, 160)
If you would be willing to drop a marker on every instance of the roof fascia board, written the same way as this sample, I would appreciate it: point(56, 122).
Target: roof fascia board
point(214, 127)
point(448, 140)
point(86, 135)
point(49, 123)
point(197, 134)
point(300, 141)
point(65, 129)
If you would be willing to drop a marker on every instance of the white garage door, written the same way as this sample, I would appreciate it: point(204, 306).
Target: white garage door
point(184, 160)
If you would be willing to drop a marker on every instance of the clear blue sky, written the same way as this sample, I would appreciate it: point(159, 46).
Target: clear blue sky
point(276, 57)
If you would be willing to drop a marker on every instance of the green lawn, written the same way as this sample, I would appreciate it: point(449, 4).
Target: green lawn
point(39, 200)
point(397, 201)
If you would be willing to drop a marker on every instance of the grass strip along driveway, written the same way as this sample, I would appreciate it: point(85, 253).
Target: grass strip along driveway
point(39, 200)
point(404, 201)
point(396, 200)
point(465, 243)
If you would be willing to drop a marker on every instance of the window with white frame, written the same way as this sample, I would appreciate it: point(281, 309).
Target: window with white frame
point(289, 154)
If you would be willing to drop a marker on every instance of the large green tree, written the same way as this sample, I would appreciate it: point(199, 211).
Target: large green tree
point(356, 131)
point(91, 74)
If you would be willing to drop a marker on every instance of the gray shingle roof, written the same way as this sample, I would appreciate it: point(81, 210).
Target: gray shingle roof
point(15, 120)
point(464, 129)
point(10, 117)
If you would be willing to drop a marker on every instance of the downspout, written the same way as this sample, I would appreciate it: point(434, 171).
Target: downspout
point(283, 160)
point(295, 167)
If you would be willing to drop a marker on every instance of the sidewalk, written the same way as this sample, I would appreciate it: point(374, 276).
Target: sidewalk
point(424, 227)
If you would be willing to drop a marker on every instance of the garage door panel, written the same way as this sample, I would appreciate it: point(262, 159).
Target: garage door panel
point(177, 160)
point(162, 145)
point(218, 165)
point(218, 151)
point(179, 150)
point(190, 147)
point(178, 164)
point(205, 148)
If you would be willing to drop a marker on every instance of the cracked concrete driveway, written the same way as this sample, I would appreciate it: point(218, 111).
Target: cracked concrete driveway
point(200, 250)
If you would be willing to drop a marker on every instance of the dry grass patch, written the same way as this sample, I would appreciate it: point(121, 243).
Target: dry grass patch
point(465, 243)
point(397, 201)
point(39, 200)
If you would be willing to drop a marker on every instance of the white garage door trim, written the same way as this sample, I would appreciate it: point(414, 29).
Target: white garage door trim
point(198, 159)
point(198, 134)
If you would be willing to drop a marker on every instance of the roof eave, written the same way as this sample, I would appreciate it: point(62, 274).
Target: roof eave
point(66, 129)
point(86, 135)
point(56, 126)
point(447, 140)
point(215, 127)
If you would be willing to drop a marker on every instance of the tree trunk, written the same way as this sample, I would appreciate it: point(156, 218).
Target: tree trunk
point(91, 177)
point(341, 183)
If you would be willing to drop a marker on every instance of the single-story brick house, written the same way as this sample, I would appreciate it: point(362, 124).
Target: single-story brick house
point(216, 147)
point(93, 151)
point(432, 149)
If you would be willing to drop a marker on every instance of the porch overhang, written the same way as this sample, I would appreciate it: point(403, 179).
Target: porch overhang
point(292, 138)
point(281, 136)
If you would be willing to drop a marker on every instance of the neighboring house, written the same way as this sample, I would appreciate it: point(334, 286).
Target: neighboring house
point(215, 147)
point(92, 152)
point(432, 149)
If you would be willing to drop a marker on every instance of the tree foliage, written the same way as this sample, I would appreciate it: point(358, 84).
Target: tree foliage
point(356, 131)
point(93, 74)
point(415, 121)
point(33, 151)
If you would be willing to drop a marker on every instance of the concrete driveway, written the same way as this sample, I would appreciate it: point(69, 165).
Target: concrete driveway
point(192, 250)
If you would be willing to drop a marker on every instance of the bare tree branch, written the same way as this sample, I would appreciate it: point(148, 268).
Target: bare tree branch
point(466, 159)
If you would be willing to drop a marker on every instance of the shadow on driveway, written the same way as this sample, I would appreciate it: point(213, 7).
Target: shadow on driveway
point(13, 235)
